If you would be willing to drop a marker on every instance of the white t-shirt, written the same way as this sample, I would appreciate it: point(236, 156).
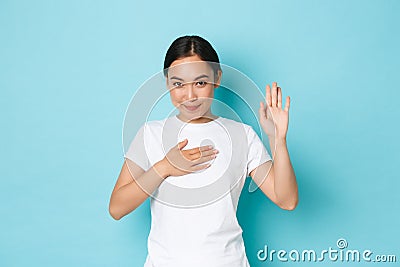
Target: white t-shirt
point(194, 219)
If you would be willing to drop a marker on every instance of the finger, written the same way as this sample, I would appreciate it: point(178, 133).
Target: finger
point(279, 97)
point(269, 114)
point(182, 144)
point(268, 95)
point(209, 153)
point(204, 159)
point(199, 149)
point(204, 153)
point(199, 167)
point(261, 111)
point(199, 154)
point(273, 95)
point(287, 104)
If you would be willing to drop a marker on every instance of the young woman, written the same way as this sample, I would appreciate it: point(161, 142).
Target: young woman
point(195, 186)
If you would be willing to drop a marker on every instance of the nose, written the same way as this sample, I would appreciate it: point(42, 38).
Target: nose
point(190, 93)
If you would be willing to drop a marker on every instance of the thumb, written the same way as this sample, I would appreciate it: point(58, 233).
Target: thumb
point(182, 144)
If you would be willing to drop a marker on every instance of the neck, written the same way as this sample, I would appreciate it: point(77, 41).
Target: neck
point(202, 119)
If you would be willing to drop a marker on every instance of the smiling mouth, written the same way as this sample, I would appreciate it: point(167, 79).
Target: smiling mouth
point(192, 108)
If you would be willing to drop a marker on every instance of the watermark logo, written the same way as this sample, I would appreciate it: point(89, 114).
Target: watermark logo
point(341, 243)
point(339, 254)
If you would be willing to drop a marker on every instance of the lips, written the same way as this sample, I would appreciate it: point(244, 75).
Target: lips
point(192, 108)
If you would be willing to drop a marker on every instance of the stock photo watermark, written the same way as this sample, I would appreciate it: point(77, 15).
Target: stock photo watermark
point(340, 253)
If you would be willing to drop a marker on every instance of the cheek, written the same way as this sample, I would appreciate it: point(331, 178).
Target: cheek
point(175, 96)
point(208, 93)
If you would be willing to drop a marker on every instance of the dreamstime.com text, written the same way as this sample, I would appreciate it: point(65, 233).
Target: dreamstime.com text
point(331, 254)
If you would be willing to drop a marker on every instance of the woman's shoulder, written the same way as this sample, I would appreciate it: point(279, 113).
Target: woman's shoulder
point(155, 122)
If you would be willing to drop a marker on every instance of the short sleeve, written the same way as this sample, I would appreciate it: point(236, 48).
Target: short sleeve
point(137, 151)
point(257, 153)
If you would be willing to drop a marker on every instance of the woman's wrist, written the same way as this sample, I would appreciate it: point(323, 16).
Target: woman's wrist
point(280, 139)
point(161, 168)
point(275, 143)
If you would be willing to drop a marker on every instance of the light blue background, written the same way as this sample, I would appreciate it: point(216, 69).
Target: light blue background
point(68, 70)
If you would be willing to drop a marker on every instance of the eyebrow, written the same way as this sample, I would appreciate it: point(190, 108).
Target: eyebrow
point(199, 77)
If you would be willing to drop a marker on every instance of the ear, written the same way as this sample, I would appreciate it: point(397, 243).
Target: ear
point(218, 79)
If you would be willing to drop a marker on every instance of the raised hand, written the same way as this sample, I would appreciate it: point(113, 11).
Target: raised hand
point(179, 162)
point(273, 119)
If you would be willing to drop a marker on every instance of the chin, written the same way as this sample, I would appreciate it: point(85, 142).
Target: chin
point(196, 114)
point(192, 116)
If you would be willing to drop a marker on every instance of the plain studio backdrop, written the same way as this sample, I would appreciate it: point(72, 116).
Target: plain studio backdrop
point(68, 70)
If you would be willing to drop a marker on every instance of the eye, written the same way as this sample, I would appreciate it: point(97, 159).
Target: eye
point(201, 83)
point(177, 84)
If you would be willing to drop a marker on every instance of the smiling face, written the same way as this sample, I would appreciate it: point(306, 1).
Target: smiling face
point(191, 84)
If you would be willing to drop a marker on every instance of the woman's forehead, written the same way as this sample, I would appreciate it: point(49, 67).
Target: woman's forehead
point(190, 70)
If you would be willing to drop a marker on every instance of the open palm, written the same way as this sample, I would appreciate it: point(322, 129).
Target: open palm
point(273, 119)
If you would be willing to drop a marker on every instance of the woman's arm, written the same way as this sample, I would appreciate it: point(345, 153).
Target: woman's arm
point(278, 181)
point(130, 192)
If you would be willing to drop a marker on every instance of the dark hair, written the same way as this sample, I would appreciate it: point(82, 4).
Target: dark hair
point(186, 46)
